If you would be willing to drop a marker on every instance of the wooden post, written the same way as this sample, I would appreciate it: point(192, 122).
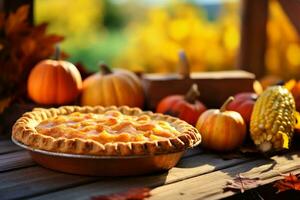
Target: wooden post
point(291, 9)
point(12, 5)
point(1, 5)
point(254, 17)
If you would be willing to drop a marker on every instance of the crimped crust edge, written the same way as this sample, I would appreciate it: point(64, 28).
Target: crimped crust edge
point(24, 131)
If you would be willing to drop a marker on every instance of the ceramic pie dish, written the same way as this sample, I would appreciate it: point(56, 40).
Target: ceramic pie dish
point(109, 141)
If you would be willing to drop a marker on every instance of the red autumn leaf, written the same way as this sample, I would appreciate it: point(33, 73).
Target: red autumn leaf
point(28, 46)
point(242, 183)
point(289, 182)
point(132, 194)
point(39, 29)
point(17, 21)
point(21, 46)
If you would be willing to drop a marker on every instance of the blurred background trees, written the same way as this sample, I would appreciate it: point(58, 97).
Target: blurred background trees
point(144, 35)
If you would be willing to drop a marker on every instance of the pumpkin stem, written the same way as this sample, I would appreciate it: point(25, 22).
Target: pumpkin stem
point(224, 106)
point(104, 69)
point(193, 93)
point(184, 66)
point(57, 52)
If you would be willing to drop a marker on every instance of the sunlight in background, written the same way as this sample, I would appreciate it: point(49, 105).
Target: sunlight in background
point(119, 33)
point(210, 44)
point(146, 35)
point(283, 53)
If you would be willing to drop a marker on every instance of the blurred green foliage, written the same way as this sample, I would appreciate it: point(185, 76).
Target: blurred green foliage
point(99, 51)
point(92, 29)
point(142, 35)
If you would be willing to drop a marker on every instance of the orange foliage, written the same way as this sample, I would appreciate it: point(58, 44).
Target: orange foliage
point(21, 47)
point(289, 182)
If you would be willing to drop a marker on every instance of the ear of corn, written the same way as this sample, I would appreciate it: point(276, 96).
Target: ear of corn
point(272, 120)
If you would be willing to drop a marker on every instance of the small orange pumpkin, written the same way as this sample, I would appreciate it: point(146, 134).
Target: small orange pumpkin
point(118, 87)
point(221, 130)
point(186, 107)
point(54, 82)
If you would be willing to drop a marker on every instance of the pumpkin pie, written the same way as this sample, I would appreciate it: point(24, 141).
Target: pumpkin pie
point(105, 131)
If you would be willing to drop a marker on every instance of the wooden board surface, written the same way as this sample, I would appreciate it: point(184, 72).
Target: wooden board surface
point(15, 160)
point(7, 146)
point(198, 175)
point(187, 168)
point(211, 186)
point(45, 181)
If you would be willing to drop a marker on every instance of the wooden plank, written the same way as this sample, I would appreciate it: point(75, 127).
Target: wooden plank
point(7, 146)
point(210, 186)
point(1, 5)
point(253, 36)
point(192, 152)
point(36, 180)
point(187, 168)
point(15, 160)
point(223, 83)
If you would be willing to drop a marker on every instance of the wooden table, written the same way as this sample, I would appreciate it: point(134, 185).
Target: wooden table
point(198, 175)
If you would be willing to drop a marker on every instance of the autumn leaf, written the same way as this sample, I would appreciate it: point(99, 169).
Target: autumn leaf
point(39, 29)
point(289, 182)
point(28, 46)
point(132, 194)
point(290, 84)
point(257, 87)
point(17, 21)
point(242, 183)
point(22, 46)
point(4, 103)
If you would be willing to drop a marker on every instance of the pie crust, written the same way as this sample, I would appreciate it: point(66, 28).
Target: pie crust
point(25, 131)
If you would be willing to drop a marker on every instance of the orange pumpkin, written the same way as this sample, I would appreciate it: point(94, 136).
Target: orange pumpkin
point(54, 82)
point(221, 130)
point(186, 107)
point(117, 87)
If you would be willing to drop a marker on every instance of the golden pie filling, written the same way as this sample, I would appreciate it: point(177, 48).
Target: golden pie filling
point(103, 131)
point(111, 126)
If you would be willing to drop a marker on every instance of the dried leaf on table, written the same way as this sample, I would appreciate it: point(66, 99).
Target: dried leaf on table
point(132, 194)
point(289, 182)
point(242, 183)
